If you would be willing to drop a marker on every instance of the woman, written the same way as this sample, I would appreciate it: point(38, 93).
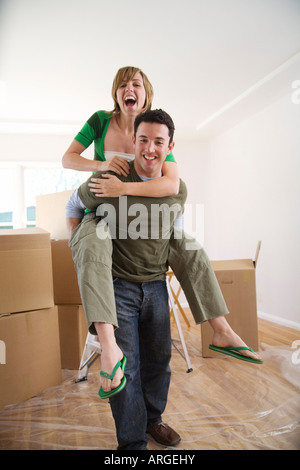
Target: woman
point(112, 136)
point(132, 94)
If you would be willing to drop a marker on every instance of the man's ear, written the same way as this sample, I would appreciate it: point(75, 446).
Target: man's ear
point(133, 139)
point(171, 146)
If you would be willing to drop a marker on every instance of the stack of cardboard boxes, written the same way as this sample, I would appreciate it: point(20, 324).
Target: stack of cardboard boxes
point(29, 332)
point(42, 324)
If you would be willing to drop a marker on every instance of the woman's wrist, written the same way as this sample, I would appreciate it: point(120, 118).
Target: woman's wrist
point(98, 165)
point(125, 189)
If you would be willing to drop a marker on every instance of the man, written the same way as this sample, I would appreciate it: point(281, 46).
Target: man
point(140, 258)
point(140, 229)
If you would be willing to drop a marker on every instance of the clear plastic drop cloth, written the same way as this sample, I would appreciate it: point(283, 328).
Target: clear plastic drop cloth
point(223, 404)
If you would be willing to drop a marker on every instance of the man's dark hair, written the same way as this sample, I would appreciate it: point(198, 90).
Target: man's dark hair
point(156, 116)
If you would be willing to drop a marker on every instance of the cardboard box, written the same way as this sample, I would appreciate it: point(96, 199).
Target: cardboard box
point(65, 284)
point(32, 354)
point(25, 270)
point(73, 332)
point(50, 213)
point(237, 282)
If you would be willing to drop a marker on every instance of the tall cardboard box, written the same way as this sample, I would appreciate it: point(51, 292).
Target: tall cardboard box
point(32, 354)
point(50, 213)
point(25, 270)
point(65, 284)
point(237, 282)
point(73, 332)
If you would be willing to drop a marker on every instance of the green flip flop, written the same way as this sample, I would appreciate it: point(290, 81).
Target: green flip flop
point(102, 394)
point(234, 352)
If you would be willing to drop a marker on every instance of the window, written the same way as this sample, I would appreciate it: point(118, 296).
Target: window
point(21, 183)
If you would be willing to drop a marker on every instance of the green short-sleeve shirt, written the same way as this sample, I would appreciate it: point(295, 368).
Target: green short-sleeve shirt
point(95, 129)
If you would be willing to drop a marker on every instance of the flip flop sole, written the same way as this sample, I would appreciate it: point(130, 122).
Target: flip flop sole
point(236, 355)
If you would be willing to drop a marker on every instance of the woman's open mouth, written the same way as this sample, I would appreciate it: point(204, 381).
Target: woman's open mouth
point(130, 101)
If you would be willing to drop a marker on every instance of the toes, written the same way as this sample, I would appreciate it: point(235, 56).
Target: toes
point(252, 355)
point(115, 384)
point(108, 385)
point(117, 379)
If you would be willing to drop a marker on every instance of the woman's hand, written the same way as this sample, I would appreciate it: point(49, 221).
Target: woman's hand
point(116, 164)
point(109, 186)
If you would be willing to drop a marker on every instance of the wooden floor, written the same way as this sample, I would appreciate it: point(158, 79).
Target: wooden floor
point(223, 404)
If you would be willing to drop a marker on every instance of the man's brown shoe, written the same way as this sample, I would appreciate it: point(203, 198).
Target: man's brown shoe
point(163, 434)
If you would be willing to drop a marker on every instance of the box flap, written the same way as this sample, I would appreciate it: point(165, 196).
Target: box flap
point(257, 253)
point(233, 265)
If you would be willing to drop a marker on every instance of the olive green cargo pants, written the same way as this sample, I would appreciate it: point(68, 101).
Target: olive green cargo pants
point(93, 262)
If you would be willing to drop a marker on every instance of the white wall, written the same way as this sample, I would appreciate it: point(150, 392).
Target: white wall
point(193, 161)
point(35, 148)
point(253, 194)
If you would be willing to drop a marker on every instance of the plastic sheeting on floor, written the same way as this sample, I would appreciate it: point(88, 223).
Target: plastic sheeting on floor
point(224, 404)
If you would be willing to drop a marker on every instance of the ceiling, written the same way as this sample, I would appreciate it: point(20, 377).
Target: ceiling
point(211, 62)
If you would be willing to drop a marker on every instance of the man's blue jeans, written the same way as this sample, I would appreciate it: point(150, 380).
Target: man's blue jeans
point(145, 338)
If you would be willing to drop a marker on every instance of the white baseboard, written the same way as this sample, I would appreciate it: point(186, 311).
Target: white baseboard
point(279, 320)
point(265, 316)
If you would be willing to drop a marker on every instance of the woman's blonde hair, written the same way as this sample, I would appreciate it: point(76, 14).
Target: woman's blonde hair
point(126, 74)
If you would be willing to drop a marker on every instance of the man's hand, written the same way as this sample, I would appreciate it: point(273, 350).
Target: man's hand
point(109, 186)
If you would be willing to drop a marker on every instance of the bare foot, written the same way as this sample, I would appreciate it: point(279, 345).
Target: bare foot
point(109, 358)
point(110, 355)
point(225, 337)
